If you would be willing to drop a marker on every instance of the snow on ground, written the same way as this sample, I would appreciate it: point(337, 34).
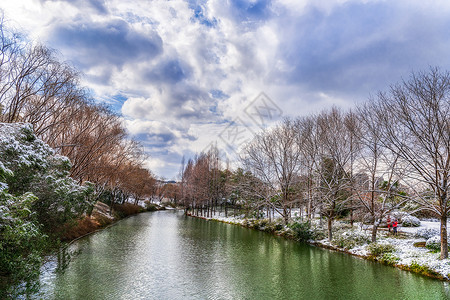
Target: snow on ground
point(405, 252)
point(220, 216)
point(423, 224)
point(409, 255)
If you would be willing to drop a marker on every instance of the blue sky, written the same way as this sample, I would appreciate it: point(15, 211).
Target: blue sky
point(180, 72)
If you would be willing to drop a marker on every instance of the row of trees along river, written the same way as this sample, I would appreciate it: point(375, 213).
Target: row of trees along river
point(391, 152)
point(38, 88)
point(41, 193)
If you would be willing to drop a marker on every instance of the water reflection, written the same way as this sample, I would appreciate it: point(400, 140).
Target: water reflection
point(164, 255)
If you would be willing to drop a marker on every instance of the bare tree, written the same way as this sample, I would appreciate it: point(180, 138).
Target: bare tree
point(307, 139)
point(415, 116)
point(274, 158)
point(335, 154)
point(354, 131)
point(376, 161)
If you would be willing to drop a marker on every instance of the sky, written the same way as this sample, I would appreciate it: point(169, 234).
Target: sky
point(186, 75)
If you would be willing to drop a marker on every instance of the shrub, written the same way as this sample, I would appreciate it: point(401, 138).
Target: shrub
point(434, 243)
point(277, 226)
point(410, 221)
point(426, 233)
point(302, 231)
point(389, 258)
point(350, 239)
point(30, 165)
point(255, 215)
point(341, 226)
point(258, 224)
point(263, 223)
point(22, 245)
point(343, 242)
point(269, 226)
point(255, 224)
point(399, 216)
point(249, 223)
point(320, 234)
point(246, 223)
point(378, 249)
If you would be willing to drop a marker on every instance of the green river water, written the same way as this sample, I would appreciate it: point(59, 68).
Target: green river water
point(165, 255)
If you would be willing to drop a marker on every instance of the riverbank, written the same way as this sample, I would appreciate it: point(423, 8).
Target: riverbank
point(405, 251)
point(103, 216)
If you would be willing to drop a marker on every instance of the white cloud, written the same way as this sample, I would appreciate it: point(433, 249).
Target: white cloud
point(140, 108)
point(208, 62)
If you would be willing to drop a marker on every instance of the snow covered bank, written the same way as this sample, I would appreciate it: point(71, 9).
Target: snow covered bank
point(406, 250)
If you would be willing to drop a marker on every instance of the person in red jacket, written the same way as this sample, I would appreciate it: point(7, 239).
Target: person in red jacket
point(394, 226)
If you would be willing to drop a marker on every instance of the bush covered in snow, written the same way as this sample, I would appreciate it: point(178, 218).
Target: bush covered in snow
point(426, 233)
point(379, 249)
point(258, 224)
point(37, 197)
point(22, 242)
point(30, 165)
point(389, 258)
point(350, 239)
point(434, 243)
point(410, 221)
point(399, 216)
point(302, 231)
point(275, 225)
point(264, 224)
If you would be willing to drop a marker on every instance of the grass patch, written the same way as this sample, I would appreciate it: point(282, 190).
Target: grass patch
point(424, 270)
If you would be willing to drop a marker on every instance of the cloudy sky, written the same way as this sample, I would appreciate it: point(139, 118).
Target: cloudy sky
point(186, 74)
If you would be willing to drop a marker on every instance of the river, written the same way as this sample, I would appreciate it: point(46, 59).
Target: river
point(165, 255)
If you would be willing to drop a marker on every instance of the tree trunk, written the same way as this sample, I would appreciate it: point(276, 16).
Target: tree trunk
point(351, 213)
point(285, 215)
point(374, 231)
point(330, 224)
point(444, 245)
